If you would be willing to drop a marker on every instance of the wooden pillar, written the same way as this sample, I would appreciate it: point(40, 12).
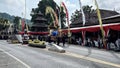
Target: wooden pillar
point(106, 31)
point(83, 38)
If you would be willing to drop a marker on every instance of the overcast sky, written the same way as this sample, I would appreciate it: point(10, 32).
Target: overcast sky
point(16, 7)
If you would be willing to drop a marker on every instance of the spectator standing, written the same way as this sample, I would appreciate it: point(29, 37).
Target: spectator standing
point(63, 38)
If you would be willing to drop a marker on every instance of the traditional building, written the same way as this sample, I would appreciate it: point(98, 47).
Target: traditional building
point(39, 24)
point(92, 19)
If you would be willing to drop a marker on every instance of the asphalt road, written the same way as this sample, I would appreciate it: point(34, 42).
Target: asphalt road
point(23, 56)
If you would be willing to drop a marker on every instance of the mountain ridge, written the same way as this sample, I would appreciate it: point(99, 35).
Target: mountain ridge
point(9, 17)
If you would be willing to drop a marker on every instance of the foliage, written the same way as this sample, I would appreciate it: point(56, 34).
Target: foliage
point(63, 16)
point(17, 23)
point(11, 18)
point(43, 4)
point(7, 16)
point(88, 10)
point(78, 15)
point(4, 24)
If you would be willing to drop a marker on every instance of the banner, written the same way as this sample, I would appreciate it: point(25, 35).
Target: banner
point(67, 16)
point(53, 15)
point(100, 22)
point(66, 11)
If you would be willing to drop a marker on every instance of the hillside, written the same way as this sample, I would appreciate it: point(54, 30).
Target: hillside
point(7, 16)
point(11, 17)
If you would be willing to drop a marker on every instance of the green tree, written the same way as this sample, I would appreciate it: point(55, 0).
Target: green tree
point(17, 23)
point(63, 17)
point(88, 13)
point(4, 24)
point(75, 15)
point(42, 5)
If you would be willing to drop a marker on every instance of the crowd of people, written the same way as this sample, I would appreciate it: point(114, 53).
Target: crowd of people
point(57, 38)
point(111, 42)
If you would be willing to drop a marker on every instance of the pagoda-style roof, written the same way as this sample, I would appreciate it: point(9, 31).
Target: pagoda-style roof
point(39, 13)
point(40, 25)
point(40, 19)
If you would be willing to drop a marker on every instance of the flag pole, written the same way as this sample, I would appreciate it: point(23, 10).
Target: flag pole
point(100, 22)
point(25, 9)
point(25, 17)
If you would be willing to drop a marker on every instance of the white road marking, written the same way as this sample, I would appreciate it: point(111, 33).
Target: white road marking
point(15, 58)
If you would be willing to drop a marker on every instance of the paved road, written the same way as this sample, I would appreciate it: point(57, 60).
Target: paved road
point(23, 56)
point(102, 54)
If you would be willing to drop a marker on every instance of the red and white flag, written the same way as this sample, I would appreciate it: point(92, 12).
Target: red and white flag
point(66, 11)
